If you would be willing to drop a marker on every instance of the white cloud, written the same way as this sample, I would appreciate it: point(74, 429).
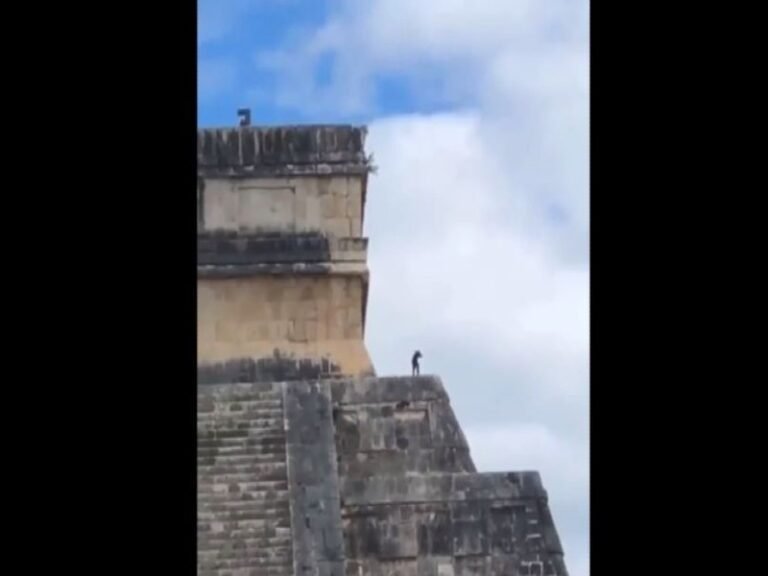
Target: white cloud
point(454, 29)
point(450, 230)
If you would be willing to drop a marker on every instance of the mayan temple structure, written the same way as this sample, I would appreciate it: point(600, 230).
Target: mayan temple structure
point(308, 462)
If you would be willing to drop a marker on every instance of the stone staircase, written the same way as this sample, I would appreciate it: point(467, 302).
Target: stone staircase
point(243, 509)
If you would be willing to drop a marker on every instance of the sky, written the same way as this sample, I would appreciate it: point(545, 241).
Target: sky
point(478, 215)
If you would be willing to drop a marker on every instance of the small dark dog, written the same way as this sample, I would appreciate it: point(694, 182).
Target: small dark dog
point(415, 363)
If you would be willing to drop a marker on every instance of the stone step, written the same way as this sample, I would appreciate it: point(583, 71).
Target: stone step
point(272, 519)
point(256, 413)
point(207, 399)
point(258, 444)
point(222, 473)
point(264, 445)
point(271, 570)
point(233, 405)
point(237, 454)
point(254, 439)
point(282, 558)
point(239, 547)
point(261, 571)
point(206, 480)
point(247, 484)
point(262, 552)
point(260, 419)
point(223, 485)
point(278, 511)
point(237, 408)
point(252, 420)
point(244, 451)
point(207, 465)
point(237, 436)
point(212, 407)
point(274, 555)
point(281, 570)
point(257, 449)
point(256, 526)
point(240, 442)
point(274, 503)
point(238, 433)
point(231, 483)
point(265, 500)
point(236, 464)
point(247, 429)
point(225, 480)
point(258, 468)
point(267, 445)
point(240, 388)
point(233, 530)
point(271, 453)
point(245, 500)
point(227, 485)
point(206, 427)
point(269, 500)
point(241, 459)
point(227, 542)
point(231, 489)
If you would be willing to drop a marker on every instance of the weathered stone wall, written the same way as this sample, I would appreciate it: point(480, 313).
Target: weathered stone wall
point(397, 426)
point(219, 249)
point(332, 205)
point(243, 506)
point(398, 511)
point(282, 273)
point(450, 524)
point(319, 317)
point(412, 504)
point(267, 151)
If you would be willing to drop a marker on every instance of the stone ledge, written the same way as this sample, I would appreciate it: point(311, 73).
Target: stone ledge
point(388, 389)
point(285, 171)
point(231, 150)
point(276, 368)
point(359, 464)
point(221, 249)
point(442, 487)
point(216, 248)
point(476, 517)
point(295, 268)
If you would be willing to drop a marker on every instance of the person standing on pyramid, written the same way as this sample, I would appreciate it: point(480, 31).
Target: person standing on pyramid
point(415, 363)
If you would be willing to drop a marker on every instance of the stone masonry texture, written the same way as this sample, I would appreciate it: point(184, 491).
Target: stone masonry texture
point(357, 476)
point(282, 276)
point(243, 507)
point(272, 149)
point(308, 464)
